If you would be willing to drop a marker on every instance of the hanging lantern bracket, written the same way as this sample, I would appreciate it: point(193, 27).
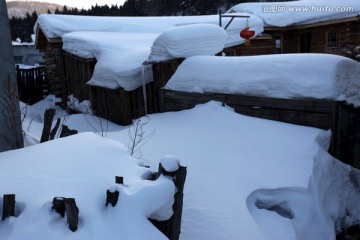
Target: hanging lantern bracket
point(230, 16)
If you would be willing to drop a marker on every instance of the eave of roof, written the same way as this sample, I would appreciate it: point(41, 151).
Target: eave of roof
point(311, 25)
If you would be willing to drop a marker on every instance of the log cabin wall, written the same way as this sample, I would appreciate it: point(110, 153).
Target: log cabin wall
point(55, 71)
point(78, 72)
point(54, 65)
point(337, 38)
point(258, 46)
point(162, 72)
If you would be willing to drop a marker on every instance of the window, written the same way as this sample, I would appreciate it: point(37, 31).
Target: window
point(305, 42)
point(277, 44)
point(333, 39)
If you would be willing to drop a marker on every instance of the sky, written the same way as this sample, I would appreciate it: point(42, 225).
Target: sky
point(83, 3)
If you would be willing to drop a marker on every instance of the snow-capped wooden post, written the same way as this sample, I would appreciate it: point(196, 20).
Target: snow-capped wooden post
point(170, 166)
point(112, 195)
point(8, 206)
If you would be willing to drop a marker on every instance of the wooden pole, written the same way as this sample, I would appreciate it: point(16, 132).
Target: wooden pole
point(72, 213)
point(8, 206)
point(48, 119)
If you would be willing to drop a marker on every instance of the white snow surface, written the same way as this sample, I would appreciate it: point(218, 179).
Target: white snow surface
point(121, 44)
point(280, 76)
point(282, 14)
point(83, 166)
point(238, 167)
point(170, 163)
point(187, 41)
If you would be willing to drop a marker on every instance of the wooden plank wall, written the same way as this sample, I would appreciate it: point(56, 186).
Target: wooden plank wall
point(256, 47)
point(78, 72)
point(349, 33)
point(113, 105)
point(343, 120)
point(162, 72)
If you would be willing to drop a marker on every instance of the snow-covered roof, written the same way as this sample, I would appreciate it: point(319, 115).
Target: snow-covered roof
point(319, 76)
point(281, 14)
point(187, 41)
point(122, 44)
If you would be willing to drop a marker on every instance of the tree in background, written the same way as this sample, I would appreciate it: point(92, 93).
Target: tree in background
point(10, 120)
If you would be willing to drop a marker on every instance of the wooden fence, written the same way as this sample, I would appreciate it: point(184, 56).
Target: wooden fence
point(342, 119)
point(32, 84)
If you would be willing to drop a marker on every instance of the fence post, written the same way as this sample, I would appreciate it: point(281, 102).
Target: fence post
point(8, 206)
point(112, 197)
point(172, 227)
point(48, 119)
point(72, 213)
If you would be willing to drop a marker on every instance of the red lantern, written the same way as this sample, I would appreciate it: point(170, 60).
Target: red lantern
point(247, 34)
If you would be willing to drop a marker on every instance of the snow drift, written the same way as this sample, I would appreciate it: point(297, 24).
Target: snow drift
point(330, 202)
point(187, 41)
point(83, 167)
point(281, 76)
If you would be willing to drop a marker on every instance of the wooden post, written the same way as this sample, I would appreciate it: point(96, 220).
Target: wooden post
point(8, 206)
point(48, 119)
point(119, 180)
point(58, 205)
point(55, 129)
point(172, 227)
point(175, 220)
point(112, 198)
point(72, 213)
point(66, 131)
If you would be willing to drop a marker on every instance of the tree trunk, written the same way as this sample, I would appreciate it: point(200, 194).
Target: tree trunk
point(10, 120)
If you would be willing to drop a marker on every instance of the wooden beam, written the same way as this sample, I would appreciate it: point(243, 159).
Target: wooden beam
point(318, 24)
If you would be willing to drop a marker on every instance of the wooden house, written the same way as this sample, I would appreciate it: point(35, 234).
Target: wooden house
point(340, 37)
point(69, 74)
point(54, 63)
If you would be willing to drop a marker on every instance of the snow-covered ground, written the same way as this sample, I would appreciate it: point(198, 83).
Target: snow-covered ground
point(238, 167)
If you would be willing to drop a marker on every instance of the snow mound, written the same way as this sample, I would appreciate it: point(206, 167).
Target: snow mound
point(281, 14)
point(331, 199)
point(280, 76)
point(187, 41)
point(83, 167)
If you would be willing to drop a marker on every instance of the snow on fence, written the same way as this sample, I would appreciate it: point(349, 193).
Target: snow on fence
point(169, 167)
point(32, 85)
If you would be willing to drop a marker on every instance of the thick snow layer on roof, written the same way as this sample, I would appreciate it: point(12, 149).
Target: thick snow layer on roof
point(187, 41)
point(119, 56)
point(319, 76)
point(281, 14)
point(122, 44)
